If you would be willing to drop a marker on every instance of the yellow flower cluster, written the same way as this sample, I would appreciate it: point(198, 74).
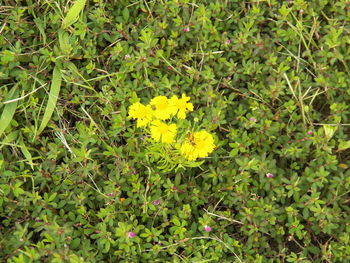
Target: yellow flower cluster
point(198, 144)
point(162, 132)
point(143, 114)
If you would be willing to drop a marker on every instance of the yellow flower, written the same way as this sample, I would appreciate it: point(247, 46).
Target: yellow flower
point(162, 108)
point(143, 114)
point(162, 132)
point(198, 144)
point(181, 105)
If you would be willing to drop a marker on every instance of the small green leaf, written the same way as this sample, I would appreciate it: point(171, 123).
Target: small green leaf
point(176, 221)
point(26, 154)
point(63, 39)
point(41, 26)
point(343, 146)
point(9, 138)
point(126, 14)
point(17, 190)
point(75, 243)
point(177, 179)
point(329, 131)
point(52, 197)
point(6, 57)
point(73, 13)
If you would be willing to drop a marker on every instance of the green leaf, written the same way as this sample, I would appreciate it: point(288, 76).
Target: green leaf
point(63, 39)
point(17, 190)
point(53, 96)
point(26, 153)
point(343, 146)
point(52, 197)
point(126, 14)
point(6, 57)
point(41, 26)
point(9, 110)
point(75, 243)
point(329, 131)
point(73, 13)
point(177, 179)
point(9, 138)
point(176, 221)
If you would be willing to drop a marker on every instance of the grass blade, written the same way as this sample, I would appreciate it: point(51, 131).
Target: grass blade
point(73, 13)
point(9, 110)
point(53, 96)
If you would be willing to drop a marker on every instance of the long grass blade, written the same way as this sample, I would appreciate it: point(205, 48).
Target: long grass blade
point(53, 96)
point(9, 110)
point(73, 13)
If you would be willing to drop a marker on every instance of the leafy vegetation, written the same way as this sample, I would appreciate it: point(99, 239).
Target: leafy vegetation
point(268, 79)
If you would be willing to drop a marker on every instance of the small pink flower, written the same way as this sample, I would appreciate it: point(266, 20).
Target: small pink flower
point(127, 56)
point(309, 132)
point(229, 78)
point(269, 175)
point(131, 234)
point(207, 228)
point(156, 202)
point(253, 119)
point(228, 41)
point(186, 29)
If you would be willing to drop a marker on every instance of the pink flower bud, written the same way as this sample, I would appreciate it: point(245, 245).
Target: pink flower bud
point(156, 202)
point(228, 41)
point(207, 228)
point(269, 175)
point(309, 132)
point(186, 29)
point(131, 234)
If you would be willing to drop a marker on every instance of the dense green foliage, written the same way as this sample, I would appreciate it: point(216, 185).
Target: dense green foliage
point(269, 79)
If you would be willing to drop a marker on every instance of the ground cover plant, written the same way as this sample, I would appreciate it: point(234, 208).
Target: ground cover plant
point(84, 177)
